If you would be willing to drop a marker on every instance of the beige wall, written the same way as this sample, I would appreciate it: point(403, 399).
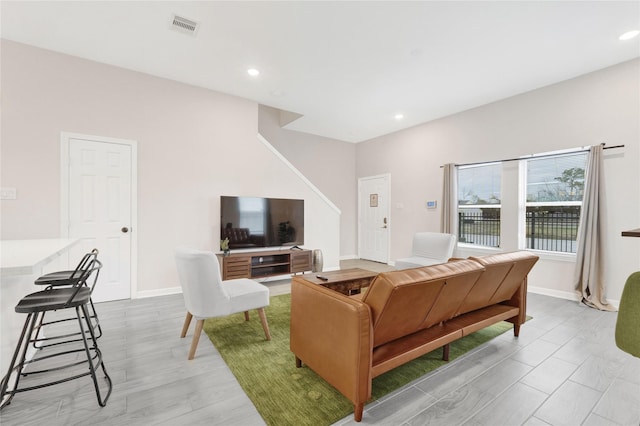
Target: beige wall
point(603, 106)
point(328, 163)
point(190, 141)
point(193, 146)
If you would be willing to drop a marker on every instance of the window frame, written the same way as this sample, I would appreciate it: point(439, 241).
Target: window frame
point(524, 204)
point(497, 206)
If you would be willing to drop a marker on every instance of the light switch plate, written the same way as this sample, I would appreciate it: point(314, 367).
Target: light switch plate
point(8, 193)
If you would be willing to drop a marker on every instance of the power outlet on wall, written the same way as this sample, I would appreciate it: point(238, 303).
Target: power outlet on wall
point(8, 193)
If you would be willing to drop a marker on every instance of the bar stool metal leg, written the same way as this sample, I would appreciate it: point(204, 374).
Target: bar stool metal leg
point(39, 342)
point(92, 367)
point(35, 305)
point(21, 349)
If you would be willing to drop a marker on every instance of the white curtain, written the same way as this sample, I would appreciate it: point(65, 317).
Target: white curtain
point(449, 212)
point(588, 276)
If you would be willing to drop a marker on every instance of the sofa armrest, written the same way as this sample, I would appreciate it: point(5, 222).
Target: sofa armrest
point(332, 334)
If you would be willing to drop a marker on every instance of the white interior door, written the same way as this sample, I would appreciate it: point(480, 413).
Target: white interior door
point(374, 220)
point(100, 177)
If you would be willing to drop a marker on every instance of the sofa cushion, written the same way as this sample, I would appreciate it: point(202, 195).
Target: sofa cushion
point(504, 273)
point(406, 301)
point(485, 287)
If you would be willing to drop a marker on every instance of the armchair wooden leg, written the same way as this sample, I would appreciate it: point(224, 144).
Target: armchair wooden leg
point(265, 324)
point(298, 363)
point(246, 315)
point(185, 327)
point(196, 338)
point(516, 330)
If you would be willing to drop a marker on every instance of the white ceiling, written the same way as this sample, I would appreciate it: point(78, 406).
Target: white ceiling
point(346, 67)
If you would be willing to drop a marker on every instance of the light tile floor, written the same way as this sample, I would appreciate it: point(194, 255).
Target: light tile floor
point(564, 369)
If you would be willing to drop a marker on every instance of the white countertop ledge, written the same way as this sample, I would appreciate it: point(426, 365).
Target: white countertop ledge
point(26, 257)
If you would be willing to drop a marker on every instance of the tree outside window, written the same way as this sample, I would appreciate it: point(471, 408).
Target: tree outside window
point(554, 188)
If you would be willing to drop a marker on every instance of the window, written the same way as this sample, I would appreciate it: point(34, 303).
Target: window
point(549, 188)
point(554, 189)
point(479, 203)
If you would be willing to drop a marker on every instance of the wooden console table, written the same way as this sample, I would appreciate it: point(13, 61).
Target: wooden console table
point(345, 281)
point(262, 264)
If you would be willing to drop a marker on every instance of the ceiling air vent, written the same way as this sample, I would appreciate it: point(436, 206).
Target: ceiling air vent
point(184, 25)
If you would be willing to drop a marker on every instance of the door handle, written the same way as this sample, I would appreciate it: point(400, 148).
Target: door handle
point(124, 229)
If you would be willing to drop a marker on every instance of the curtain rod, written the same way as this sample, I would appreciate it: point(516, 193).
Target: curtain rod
point(534, 156)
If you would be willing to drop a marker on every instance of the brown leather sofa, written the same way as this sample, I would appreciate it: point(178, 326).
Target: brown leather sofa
point(349, 340)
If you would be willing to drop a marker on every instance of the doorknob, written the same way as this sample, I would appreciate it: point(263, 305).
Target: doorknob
point(124, 229)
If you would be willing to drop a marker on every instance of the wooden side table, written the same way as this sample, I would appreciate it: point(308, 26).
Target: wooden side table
point(345, 281)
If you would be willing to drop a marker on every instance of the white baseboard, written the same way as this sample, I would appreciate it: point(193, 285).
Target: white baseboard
point(565, 295)
point(554, 293)
point(349, 257)
point(158, 292)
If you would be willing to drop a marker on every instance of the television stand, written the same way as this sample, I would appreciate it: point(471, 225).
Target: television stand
point(263, 264)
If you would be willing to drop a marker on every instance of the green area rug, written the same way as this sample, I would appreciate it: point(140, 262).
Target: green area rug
point(286, 395)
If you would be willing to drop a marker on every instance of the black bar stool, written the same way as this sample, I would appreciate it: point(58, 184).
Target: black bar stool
point(35, 305)
point(65, 279)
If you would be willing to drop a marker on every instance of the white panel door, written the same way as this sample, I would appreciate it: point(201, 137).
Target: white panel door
point(373, 213)
point(100, 213)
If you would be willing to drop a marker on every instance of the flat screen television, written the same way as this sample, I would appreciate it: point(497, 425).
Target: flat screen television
point(252, 222)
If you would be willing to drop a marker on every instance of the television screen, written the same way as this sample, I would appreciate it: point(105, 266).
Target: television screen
point(251, 222)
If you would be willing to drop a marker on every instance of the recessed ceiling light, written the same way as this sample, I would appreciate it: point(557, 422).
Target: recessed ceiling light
point(399, 116)
point(253, 72)
point(629, 35)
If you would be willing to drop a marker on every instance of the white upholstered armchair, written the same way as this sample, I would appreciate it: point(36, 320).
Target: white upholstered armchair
point(206, 295)
point(429, 248)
